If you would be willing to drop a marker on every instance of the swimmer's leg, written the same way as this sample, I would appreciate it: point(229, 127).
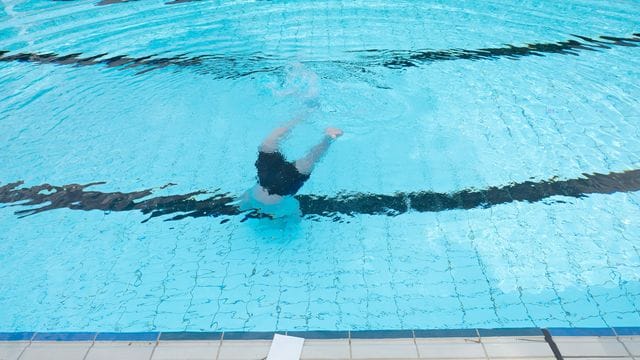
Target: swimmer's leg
point(305, 165)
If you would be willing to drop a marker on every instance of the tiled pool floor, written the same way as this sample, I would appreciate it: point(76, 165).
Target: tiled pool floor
point(495, 347)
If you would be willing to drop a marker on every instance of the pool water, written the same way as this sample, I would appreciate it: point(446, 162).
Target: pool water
point(489, 174)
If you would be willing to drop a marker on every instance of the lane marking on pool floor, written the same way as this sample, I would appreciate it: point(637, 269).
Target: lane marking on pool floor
point(46, 197)
point(223, 66)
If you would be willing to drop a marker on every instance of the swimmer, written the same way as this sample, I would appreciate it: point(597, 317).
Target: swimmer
point(279, 179)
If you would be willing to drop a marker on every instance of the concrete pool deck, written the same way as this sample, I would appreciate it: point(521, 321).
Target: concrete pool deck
point(326, 345)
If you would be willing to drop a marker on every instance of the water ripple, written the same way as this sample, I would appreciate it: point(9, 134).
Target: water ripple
point(303, 30)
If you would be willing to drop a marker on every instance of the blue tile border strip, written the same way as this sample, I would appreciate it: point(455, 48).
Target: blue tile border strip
point(510, 332)
point(16, 336)
point(622, 331)
point(250, 335)
point(313, 334)
point(190, 335)
point(133, 336)
point(382, 334)
point(444, 333)
point(320, 334)
point(65, 336)
point(582, 332)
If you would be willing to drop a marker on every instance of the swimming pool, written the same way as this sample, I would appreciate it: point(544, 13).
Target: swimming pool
point(489, 174)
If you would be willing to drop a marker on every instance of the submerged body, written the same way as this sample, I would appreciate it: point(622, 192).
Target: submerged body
point(278, 176)
point(280, 179)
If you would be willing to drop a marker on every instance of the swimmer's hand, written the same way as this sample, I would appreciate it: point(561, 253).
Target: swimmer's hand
point(333, 133)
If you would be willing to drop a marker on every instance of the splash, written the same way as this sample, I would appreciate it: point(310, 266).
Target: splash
point(300, 83)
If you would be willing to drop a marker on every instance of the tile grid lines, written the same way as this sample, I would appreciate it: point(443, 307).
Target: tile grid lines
point(33, 336)
point(93, 342)
point(622, 343)
point(480, 336)
point(220, 346)
point(484, 349)
point(29, 344)
point(413, 338)
point(316, 334)
point(415, 343)
point(155, 346)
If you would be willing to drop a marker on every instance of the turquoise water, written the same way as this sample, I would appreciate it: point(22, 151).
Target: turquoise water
point(425, 111)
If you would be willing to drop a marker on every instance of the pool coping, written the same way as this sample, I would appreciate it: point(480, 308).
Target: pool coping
point(315, 334)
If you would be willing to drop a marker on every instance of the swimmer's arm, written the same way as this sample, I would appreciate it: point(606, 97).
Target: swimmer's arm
point(272, 142)
point(305, 165)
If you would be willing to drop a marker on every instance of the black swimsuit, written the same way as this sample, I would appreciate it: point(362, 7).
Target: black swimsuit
point(277, 175)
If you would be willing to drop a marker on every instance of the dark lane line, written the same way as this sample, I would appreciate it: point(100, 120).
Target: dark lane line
point(224, 66)
point(111, 2)
point(218, 65)
point(403, 59)
point(48, 197)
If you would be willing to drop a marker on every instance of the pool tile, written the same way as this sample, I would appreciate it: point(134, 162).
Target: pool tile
point(513, 339)
point(602, 358)
point(186, 349)
point(446, 333)
point(429, 349)
point(383, 349)
point(581, 332)
point(56, 351)
point(510, 332)
point(243, 350)
point(513, 347)
point(16, 336)
point(10, 350)
point(121, 350)
point(186, 336)
point(382, 334)
point(133, 336)
point(62, 336)
point(632, 343)
point(253, 335)
point(318, 349)
point(320, 334)
point(589, 346)
point(627, 331)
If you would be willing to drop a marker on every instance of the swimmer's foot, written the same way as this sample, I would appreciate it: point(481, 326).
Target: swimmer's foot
point(333, 133)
